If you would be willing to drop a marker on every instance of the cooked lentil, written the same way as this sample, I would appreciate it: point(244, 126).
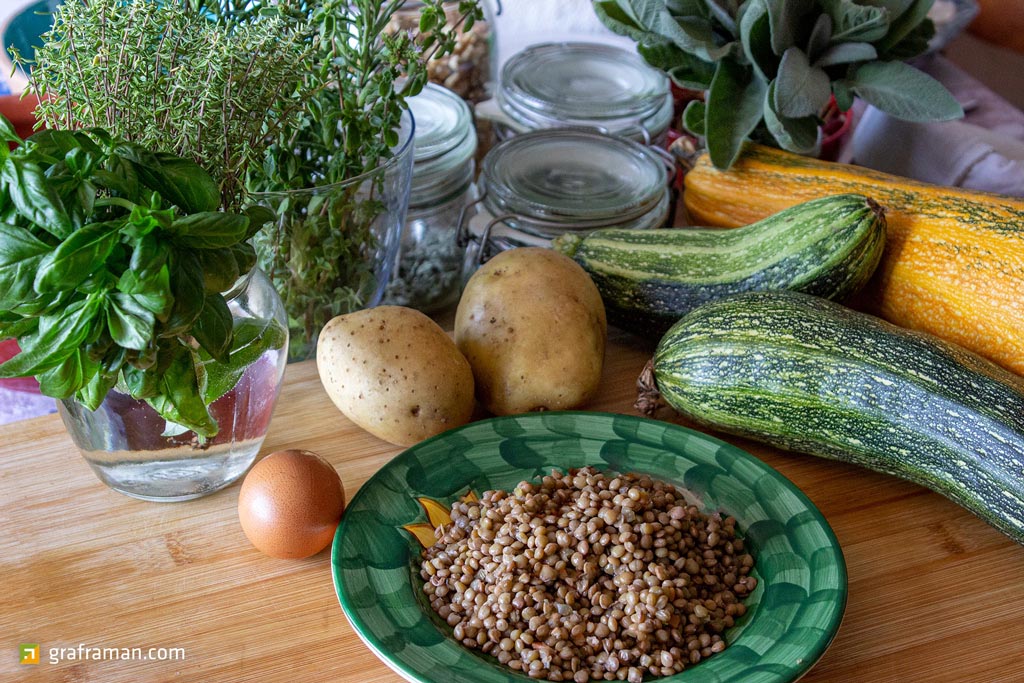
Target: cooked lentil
point(587, 577)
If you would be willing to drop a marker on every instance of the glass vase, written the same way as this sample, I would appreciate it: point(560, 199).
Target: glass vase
point(134, 451)
point(334, 247)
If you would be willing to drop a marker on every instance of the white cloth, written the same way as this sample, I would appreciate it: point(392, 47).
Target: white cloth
point(983, 151)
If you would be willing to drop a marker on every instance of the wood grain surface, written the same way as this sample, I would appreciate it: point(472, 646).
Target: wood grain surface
point(935, 594)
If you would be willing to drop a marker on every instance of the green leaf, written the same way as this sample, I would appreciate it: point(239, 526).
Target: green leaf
point(650, 22)
point(916, 42)
point(77, 257)
point(143, 220)
point(856, 23)
point(180, 181)
point(800, 89)
point(797, 135)
point(756, 37)
point(51, 145)
point(695, 118)
point(58, 336)
point(149, 255)
point(96, 389)
point(821, 34)
point(844, 98)
point(220, 269)
point(902, 91)
point(258, 217)
point(210, 229)
point(129, 322)
point(734, 108)
point(180, 400)
point(67, 378)
point(8, 133)
point(784, 19)
point(34, 196)
point(905, 23)
point(252, 338)
point(152, 293)
point(213, 327)
point(722, 14)
point(20, 255)
point(140, 383)
point(847, 53)
point(685, 70)
point(189, 295)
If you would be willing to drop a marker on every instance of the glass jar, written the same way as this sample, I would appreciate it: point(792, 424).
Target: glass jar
point(466, 71)
point(585, 85)
point(133, 450)
point(430, 260)
point(540, 185)
point(334, 247)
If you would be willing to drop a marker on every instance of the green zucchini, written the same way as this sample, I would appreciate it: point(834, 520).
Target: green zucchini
point(809, 375)
point(649, 279)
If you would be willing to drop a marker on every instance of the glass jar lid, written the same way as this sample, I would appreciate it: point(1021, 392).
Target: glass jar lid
point(575, 178)
point(445, 144)
point(587, 85)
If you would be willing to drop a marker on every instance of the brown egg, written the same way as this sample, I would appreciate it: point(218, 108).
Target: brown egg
point(291, 503)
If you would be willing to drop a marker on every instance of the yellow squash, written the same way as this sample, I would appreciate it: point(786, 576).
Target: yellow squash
point(954, 259)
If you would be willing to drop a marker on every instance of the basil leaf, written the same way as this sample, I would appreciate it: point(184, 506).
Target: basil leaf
point(58, 336)
point(152, 293)
point(189, 295)
point(20, 255)
point(77, 257)
point(8, 133)
point(220, 269)
point(51, 145)
point(149, 255)
point(846, 53)
point(143, 220)
point(34, 197)
point(182, 182)
point(67, 378)
point(130, 324)
point(96, 389)
point(213, 327)
point(210, 229)
point(258, 217)
point(734, 108)
point(140, 383)
point(902, 91)
point(252, 338)
point(119, 175)
point(800, 89)
point(18, 327)
point(180, 400)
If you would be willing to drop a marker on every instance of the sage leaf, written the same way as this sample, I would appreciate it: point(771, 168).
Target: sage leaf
point(902, 91)
point(913, 44)
point(801, 89)
point(694, 118)
point(210, 229)
point(734, 108)
point(821, 34)
point(34, 197)
point(784, 19)
point(722, 14)
point(846, 53)
point(78, 257)
point(904, 23)
point(20, 255)
point(856, 23)
point(844, 98)
point(797, 135)
point(755, 36)
point(685, 70)
point(213, 327)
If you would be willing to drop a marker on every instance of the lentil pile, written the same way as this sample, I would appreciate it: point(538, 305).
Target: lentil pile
point(586, 577)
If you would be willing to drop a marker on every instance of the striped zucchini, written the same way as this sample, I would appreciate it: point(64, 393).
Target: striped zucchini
point(954, 259)
point(809, 375)
point(649, 279)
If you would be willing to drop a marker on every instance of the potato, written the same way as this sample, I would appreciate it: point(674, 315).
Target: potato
point(532, 325)
point(395, 373)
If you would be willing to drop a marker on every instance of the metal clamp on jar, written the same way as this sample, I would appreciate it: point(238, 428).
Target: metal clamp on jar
point(430, 260)
point(537, 186)
point(581, 85)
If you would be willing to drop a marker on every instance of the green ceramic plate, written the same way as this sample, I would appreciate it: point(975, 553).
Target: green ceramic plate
point(793, 615)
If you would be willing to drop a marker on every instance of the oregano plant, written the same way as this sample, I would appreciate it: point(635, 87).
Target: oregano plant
point(770, 67)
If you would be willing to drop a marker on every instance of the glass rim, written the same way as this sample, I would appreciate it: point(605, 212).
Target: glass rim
point(405, 148)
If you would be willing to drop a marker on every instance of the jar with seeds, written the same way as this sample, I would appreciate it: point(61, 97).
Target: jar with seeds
point(467, 70)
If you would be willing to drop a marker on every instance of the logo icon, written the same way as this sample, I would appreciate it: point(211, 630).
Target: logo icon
point(28, 653)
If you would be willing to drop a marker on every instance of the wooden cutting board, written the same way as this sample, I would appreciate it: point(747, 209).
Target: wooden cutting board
point(935, 594)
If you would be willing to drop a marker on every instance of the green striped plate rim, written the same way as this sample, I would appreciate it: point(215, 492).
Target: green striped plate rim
point(793, 615)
